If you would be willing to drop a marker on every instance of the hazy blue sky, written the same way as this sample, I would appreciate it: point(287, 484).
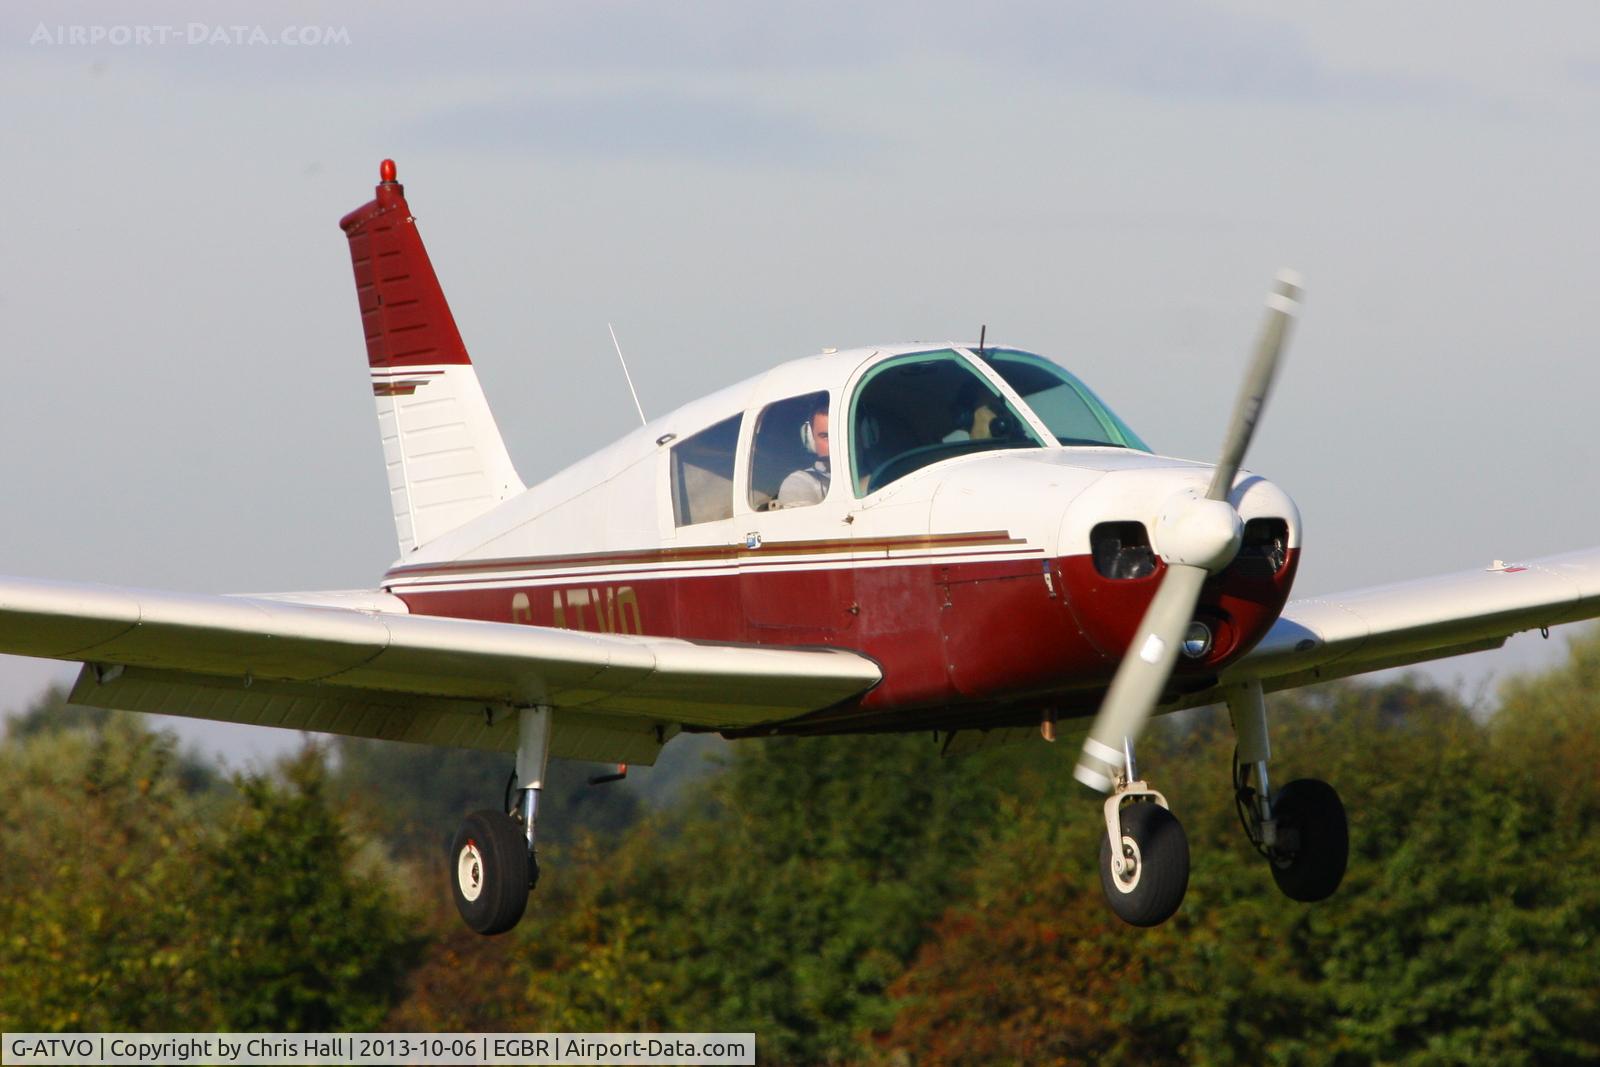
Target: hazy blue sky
point(735, 184)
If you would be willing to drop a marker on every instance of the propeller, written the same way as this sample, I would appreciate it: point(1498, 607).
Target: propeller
point(1197, 535)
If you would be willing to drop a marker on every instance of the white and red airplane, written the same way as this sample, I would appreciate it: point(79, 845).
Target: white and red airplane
point(940, 537)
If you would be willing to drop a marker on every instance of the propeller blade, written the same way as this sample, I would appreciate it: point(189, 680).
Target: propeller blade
point(1282, 303)
point(1141, 676)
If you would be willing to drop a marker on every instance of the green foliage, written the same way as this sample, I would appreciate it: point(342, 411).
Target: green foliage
point(51, 714)
point(96, 886)
point(784, 897)
point(138, 894)
point(1451, 941)
point(414, 796)
point(851, 899)
point(303, 932)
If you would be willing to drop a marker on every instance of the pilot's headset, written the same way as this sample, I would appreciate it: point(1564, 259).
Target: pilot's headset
point(808, 439)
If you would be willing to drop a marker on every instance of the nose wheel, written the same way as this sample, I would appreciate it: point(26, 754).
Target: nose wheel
point(1145, 874)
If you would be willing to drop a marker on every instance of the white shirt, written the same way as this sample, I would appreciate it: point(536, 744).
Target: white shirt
point(805, 486)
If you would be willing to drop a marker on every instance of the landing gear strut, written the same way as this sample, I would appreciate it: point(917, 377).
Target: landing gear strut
point(1300, 829)
point(1146, 872)
point(493, 863)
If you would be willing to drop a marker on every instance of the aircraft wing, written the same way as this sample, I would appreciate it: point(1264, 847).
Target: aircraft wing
point(358, 664)
point(1409, 622)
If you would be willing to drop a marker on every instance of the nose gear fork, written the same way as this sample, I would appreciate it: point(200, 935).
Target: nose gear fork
point(1144, 856)
point(1127, 792)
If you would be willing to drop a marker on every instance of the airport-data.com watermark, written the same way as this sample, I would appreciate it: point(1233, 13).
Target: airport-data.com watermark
point(189, 34)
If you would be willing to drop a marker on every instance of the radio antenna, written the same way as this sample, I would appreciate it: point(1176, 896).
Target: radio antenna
point(625, 374)
point(983, 333)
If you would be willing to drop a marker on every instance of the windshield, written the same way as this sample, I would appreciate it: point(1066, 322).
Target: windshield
point(918, 409)
point(1074, 414)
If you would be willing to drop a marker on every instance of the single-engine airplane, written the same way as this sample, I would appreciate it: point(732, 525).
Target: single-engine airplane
point(944, 537)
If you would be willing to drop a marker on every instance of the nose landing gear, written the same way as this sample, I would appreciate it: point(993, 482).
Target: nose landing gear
point(1145, 879)
point(1144, 855)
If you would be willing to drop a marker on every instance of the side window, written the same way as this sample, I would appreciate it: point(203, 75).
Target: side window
point(789, 461)
point(702, 474)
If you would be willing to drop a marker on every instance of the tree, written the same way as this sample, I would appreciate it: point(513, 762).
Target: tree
point(783, 896)
point(414, 796)
point(97, 894)
point(304, 932)
point(1449, 941)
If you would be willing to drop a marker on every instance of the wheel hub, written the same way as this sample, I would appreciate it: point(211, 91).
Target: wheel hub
point(1126, 869)
point(469, 871)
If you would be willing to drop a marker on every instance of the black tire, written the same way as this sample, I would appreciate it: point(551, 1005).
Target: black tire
point(491, 871)
point(1313, 840)
point(1154, 839)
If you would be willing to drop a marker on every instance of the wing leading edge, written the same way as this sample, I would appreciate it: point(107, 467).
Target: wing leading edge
point(358, 664)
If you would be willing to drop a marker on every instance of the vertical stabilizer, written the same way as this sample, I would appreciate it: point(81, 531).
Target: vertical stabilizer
point(447, 462)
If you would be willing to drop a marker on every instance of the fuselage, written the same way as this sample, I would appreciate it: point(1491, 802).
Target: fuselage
point(995, 570)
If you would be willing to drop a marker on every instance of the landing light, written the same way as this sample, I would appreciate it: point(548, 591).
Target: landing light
point(1197, 640)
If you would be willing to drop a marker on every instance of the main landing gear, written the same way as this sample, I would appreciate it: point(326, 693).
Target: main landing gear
point(493, 866)
point(1300, 829)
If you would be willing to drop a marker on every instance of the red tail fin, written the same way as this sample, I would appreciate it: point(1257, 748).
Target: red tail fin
point(403, 311)
point(446, 461)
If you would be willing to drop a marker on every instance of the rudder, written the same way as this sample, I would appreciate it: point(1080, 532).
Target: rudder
point(446, 460)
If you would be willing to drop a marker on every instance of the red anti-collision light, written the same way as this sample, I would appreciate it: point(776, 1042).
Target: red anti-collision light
point(386, 170)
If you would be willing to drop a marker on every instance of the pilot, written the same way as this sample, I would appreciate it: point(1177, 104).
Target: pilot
point(979, 416)
point(809, 485)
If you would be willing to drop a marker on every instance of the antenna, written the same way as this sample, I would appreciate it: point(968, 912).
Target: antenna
point(983, 333)
point(625, 374)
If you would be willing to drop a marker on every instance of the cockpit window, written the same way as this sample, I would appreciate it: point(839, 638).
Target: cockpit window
point(1074, 414)
point(914, 410)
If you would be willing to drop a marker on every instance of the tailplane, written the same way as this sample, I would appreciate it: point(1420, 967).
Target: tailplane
point(447, 462)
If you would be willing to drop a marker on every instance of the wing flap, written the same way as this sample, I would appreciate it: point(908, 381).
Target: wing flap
point(575, 734)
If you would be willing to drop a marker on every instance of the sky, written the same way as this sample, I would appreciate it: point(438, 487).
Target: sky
point(733, 185)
